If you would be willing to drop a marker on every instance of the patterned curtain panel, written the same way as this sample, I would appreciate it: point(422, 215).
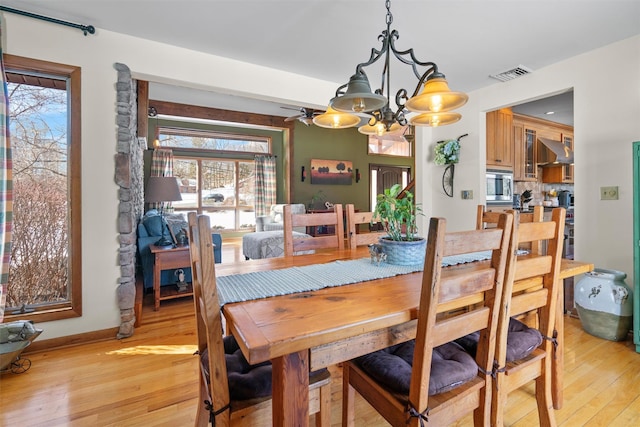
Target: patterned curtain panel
point(265, 184)
point(6, 187)
point(161, 165)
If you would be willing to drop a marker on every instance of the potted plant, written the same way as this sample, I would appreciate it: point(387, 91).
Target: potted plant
point(398, 216)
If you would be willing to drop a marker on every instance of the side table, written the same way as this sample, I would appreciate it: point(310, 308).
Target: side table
point(169, 259)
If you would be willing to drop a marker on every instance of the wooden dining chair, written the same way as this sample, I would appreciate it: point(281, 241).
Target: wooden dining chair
point(354, 220)
point(333, 219)
point(232, 392)
point(527, 353)
point(486, 218)
point(431, 378)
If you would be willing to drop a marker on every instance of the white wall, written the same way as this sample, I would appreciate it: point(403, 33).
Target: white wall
point(606, 85)
point(96, 55)
point(607, 107)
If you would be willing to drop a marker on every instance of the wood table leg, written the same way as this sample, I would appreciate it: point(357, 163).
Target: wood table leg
point(291, 389)
point(156, 284)
point(557, 363)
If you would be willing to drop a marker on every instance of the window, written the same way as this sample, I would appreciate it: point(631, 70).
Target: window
point(212, 141)
point(220, 187)
point(44, 113)
point(399, 144)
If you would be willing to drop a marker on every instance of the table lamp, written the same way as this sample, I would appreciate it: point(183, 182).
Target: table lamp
point(162, 189)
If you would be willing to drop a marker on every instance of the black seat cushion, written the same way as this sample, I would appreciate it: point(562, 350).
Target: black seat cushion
point(245, 381)
point(451, 367)
point(521, 341)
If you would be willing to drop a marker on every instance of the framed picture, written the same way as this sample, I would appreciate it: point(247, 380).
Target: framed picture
point(331, 172)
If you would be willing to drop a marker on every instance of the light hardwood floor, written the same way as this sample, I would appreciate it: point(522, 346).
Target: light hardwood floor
point(151, 379)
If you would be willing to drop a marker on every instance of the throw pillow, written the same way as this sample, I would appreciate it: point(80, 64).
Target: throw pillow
point(153, 224)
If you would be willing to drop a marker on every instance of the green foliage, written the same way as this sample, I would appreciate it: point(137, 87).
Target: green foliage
point(395, 213)
point(447, 152)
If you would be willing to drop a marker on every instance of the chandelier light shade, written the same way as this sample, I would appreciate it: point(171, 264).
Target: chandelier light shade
point(333, 119)
point(435, 119)
point(436, 97)
point(358, 96)
point(378, 129)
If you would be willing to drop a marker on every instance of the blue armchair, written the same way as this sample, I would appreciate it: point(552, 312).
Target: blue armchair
point(149, 231)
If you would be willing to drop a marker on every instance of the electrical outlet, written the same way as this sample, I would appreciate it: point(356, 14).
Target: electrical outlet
point(608, 193)
point(467, 194)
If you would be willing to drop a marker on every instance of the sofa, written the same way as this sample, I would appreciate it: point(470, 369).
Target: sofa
point(149, 231)
point(273, 221)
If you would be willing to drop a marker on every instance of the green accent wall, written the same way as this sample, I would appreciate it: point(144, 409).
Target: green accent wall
point(313, 142)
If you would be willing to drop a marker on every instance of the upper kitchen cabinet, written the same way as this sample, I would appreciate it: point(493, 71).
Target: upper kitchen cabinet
point(538, 145)
point(525, 151)
point(500, 153)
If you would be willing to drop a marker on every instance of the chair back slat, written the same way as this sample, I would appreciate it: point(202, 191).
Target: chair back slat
point(354, 219)
point(486, 219)
point(334, 219)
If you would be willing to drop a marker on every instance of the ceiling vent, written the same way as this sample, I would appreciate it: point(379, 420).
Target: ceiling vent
point(511, 74)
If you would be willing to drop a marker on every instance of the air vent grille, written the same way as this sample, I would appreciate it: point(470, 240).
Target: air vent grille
point(511, 74)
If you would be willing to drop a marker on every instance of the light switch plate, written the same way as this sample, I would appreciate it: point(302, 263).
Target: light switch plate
point(608, 193)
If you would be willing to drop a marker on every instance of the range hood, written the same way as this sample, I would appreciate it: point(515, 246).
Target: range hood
point(552, 152)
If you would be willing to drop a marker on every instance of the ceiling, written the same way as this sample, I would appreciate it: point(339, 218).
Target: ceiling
point(468, 39)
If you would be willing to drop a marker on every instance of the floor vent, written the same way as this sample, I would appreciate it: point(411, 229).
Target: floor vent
point(511, 74)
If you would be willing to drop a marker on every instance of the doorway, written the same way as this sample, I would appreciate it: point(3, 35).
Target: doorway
point(385, 176)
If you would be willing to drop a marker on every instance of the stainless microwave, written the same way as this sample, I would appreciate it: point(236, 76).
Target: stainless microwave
point(499, 187)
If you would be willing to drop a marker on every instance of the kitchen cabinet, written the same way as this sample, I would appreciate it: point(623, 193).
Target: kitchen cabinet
point(525, 152)
point(500, 153)
point(530, 154)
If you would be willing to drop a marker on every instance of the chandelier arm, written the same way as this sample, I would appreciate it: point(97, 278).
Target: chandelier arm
point(413, 62)
point(375, 53)
point(430, 72)
point(401, 98)
point(340, 91)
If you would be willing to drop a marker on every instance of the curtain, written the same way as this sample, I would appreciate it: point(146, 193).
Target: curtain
point(265, 187)
point(161, 165)
point(6, 187)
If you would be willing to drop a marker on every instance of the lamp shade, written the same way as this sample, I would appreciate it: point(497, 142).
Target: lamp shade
point(378, 129)
point(435, 119)
point(162, 189)
point(436, 97)
point(358, 96)
point(333, 119)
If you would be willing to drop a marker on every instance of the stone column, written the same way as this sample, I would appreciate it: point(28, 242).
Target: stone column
point(129, 177)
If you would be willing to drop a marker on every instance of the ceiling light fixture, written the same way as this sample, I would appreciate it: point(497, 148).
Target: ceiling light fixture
point(333, 119)
point(433, 105)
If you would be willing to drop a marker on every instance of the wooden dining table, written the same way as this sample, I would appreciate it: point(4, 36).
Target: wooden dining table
point(306, 331)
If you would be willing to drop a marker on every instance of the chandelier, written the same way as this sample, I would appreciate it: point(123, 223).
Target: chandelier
point(433, 106)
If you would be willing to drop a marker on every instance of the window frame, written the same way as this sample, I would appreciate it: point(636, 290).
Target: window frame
point(200, 208)
point(73, 307)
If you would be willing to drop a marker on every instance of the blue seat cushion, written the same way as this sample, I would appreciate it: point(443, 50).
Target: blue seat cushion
point(521, 341)
point(451, 367)
point(245, 381)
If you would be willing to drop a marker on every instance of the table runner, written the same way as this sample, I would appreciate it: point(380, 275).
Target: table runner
point(262, 284)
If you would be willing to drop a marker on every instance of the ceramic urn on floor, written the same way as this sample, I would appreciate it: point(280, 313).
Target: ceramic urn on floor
point(605, 304)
